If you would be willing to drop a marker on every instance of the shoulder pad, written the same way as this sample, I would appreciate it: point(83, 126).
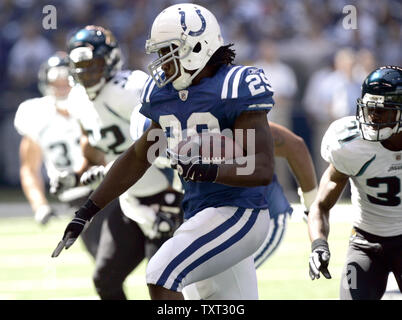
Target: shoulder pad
point(32, 115)
point(138, 123)
point(343, 147)
point(129, 80)
point(136, 80)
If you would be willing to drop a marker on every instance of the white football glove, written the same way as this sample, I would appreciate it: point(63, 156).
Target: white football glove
point(65, 180)
point(93, 176)
point(43, 214)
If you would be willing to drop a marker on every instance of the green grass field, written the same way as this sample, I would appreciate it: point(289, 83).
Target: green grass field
point(28, 272)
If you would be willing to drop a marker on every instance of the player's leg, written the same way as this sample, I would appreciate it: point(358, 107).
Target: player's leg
point(121, 249)
point(228, 285)
point(365, 274)
point(275, 235)
point(395, 254)
point(210, 289)
point(207, 244)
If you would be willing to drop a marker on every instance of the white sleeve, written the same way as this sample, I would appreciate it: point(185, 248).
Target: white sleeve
point(339, 146)
point(138, 123)
point(26, 122)
point(136, 81)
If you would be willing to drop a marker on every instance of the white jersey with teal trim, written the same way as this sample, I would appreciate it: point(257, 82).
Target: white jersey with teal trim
point(113, 122)
point(57, 135)
point(106, 119)
point(375, 175)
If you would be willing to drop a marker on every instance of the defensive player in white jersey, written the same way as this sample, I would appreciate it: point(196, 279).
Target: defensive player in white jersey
point(51, 135)
point(103, 101)
point(225, 207)
point(367, 151)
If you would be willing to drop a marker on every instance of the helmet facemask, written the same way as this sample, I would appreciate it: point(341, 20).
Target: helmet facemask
point(379, 119)
point(170, 52)
point(53, 77)
point(93, 71)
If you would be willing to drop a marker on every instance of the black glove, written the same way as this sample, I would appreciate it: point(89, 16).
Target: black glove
point(319, 259)
point(65, 180)
point(192, 168)
point(75, 227)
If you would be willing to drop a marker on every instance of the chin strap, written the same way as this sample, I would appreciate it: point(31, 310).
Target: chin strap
point(185, 79)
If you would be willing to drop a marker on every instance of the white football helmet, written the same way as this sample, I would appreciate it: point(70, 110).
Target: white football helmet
point(192, 34)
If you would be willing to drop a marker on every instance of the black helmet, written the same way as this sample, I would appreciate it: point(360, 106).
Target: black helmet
point(54, 67)
point(379, 110)
point(94, 57)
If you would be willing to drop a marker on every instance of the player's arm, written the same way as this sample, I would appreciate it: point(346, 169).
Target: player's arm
point(92, 155)
point(262, 159)
point(32, 181)
point(293, 148)
point(331, 186)
point(125, 171)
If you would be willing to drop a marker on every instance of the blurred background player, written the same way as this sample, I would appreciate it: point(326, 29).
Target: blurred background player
point(367, 151)
point(293, 149)
point(51, 136)
point(103, 101)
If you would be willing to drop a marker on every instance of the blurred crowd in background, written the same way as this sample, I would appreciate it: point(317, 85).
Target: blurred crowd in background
point(315, 65)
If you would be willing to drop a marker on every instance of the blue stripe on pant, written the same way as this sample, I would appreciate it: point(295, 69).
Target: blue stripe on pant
point(200, 242)
point(274, 241)
point(232, 240)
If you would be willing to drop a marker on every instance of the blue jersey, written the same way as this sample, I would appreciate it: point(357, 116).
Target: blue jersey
point(278, 203)
point(213, 104)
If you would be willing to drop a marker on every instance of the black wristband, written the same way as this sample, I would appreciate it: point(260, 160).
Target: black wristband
point(88, 210)
point(319, 243)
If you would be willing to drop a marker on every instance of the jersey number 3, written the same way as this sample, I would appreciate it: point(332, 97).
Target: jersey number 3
point(388, 198)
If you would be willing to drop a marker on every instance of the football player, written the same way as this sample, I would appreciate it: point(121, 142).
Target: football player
point(194, 86)
point(103, 101)
point(367, 151)
point(293, 148)
point(51, 136)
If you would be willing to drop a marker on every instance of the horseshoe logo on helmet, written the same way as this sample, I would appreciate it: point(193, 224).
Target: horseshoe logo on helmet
point(184, 26)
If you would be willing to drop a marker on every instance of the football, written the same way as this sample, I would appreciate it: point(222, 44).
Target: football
point(211, 146)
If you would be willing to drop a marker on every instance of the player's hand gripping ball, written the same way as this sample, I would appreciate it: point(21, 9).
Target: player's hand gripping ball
point(197, 157)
